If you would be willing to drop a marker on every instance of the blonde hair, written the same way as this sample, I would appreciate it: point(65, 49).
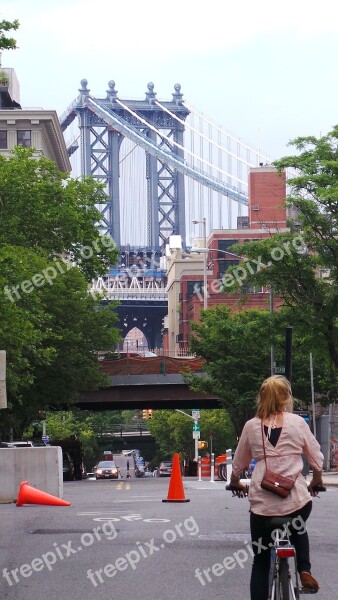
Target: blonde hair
point(274, 396)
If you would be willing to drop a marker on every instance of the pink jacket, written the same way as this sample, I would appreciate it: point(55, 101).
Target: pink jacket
point(285, 458)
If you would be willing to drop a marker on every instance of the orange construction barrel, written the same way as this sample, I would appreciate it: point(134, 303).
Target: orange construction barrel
point(222, 458)
point(205, 467)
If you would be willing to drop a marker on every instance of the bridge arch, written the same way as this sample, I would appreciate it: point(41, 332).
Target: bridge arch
point(145, 316)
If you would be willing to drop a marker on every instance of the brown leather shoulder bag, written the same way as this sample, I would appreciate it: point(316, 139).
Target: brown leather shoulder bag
point(273, 482)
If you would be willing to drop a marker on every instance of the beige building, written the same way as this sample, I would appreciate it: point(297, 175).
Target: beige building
point(179, 264)
point(33, 127)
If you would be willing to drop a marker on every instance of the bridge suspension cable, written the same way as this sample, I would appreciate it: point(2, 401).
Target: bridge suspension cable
point(174, 160)
point(171, 141)
point(227, 134)
point(208, 139)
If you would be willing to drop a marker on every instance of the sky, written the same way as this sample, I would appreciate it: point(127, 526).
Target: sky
point(265, 71)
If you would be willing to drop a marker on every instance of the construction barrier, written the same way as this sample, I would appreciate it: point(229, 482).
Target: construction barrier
point(334, 443)
point(220, 467)
point(205, 466)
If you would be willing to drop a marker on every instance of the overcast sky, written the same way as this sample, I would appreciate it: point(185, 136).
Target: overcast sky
point(266, 71)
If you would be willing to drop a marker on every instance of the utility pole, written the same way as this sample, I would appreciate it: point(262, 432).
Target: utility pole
point(313, 398)
point(3, 394)
point(288, 353)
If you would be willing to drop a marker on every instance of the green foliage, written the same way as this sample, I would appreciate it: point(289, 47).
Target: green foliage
point(87, 426)
point(299, 276)
point(237, 350)
point(4, 79)
point(41, 207)
point(8, 43)
point(172, 432)
point(51, 328)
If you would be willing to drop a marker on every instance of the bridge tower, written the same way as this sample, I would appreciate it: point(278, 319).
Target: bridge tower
point(156, 128)
point(100, 143)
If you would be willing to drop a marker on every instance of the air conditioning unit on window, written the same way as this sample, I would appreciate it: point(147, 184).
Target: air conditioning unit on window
point(255, 207)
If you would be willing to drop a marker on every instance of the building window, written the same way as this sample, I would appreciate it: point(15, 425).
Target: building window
point(223, 245)
point(24, 138)
point(194, 287)
point(223, 266)
point(3, 139)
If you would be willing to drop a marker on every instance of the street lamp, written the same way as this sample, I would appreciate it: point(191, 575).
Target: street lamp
point(205, 252)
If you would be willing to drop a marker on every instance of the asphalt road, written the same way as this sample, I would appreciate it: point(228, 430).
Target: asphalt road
point(119, 540)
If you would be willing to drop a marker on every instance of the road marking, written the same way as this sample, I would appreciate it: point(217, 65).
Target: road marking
point(101, 512)
point(129, 518)
point(79, 548)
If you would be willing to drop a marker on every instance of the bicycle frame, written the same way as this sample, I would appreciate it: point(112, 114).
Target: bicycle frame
point(282, 585)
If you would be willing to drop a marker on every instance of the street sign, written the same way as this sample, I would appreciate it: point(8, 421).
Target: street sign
point(196, 435)
point(45, 439)
point(196, 427)
point(195, 413)
point(280, 370)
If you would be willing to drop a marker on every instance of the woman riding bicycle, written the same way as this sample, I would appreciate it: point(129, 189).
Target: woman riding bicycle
point(286, 438)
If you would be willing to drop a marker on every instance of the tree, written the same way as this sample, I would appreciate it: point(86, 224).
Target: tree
point(173, 432)
point(50, 249)
point(234, 364)
point(237, 348)
point(305, 274)
point(8, 43)
point(41, 207)
point(87, 426)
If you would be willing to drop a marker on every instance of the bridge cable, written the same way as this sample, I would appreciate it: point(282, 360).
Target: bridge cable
point(186, 151)
point(208, 139)
point(176, 161)
point(220, 129)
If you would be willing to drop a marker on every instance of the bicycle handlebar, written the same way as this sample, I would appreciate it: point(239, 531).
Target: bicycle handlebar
point(236, 491)
point(314, 490)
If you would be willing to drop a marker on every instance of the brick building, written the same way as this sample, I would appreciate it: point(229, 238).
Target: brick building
point(266, 216)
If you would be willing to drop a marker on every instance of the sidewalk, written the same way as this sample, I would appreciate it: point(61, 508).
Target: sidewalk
point(330, 477)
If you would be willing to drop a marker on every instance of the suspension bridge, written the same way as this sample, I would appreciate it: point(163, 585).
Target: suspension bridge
point(163, 164)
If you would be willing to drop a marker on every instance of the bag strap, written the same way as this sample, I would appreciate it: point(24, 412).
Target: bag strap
point(263, 443)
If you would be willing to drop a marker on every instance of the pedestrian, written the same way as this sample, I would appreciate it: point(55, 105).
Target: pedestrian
point(286, 437)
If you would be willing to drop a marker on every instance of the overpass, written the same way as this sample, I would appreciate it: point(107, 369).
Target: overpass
point(138, 383)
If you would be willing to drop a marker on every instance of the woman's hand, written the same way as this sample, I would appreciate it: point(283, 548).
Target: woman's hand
point(237, 488)
point(316, 482)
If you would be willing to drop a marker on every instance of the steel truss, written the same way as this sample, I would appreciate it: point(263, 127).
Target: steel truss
point(158, 129)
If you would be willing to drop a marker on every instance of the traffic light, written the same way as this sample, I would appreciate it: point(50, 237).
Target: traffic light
point(202, 445)
point(150, 413)
point(145, 413)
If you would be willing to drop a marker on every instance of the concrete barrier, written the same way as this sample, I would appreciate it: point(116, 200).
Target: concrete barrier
point(40, 466)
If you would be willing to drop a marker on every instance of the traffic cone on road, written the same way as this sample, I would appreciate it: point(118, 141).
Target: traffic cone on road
point(30, 495)
point(176, 490)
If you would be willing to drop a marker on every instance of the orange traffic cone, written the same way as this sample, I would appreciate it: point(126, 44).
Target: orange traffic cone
point(176, 490)
point(30, 495)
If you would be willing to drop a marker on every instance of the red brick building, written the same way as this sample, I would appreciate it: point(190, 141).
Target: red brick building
point(266, 216)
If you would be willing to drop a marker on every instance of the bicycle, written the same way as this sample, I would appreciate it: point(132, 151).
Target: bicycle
point(282, 584)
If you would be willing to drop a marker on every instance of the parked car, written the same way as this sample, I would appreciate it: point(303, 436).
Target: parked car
point(106, 469)
point(67, 466)
point(164, 470)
